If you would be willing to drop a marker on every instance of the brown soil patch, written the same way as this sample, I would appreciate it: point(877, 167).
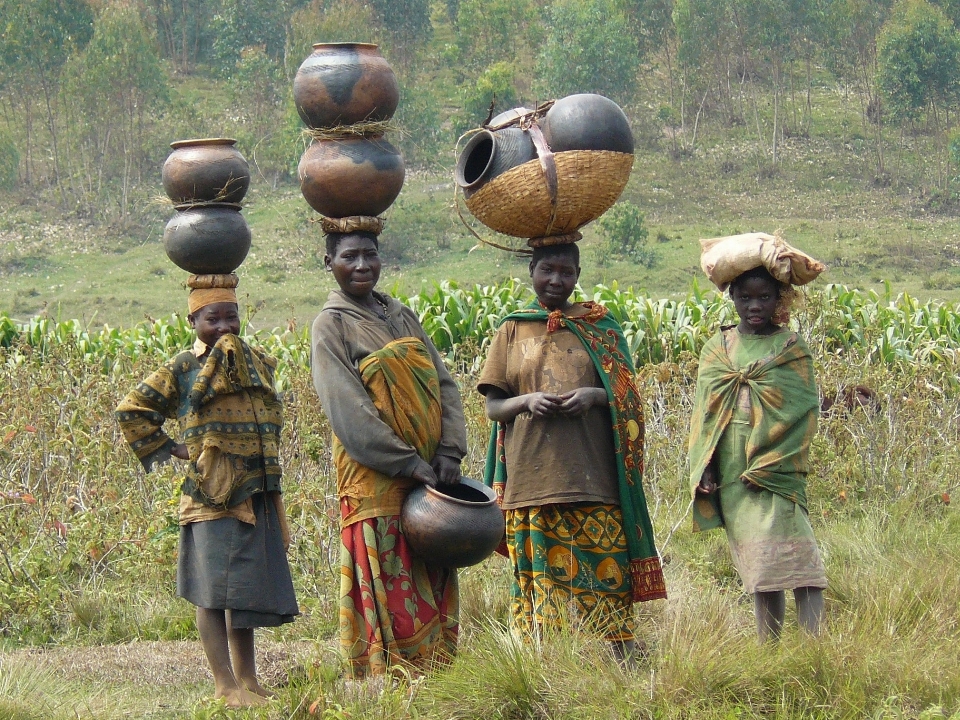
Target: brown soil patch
point(159, 664)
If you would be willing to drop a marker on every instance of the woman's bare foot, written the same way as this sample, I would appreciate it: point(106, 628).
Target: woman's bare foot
point(240, 698)
point(255, 687)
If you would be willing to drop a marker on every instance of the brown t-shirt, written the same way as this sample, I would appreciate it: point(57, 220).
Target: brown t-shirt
point(557, 459)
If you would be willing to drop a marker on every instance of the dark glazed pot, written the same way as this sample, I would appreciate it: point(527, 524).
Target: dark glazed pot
point(207, 240)
point(452, 525)
point(205, 170)
point(343, 84)
point(358, 176)
point(587, 122)
point(489, 154)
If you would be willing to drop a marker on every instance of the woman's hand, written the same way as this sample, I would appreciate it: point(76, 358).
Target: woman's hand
point(447, 469)
point(577, 402)
point(541, 404)
point(708, 481)
point(424, 473)
point(180, 451)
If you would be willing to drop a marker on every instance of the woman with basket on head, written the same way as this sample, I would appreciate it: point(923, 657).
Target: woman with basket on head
point(754, 417)
point(566, 457)
point(397, 421)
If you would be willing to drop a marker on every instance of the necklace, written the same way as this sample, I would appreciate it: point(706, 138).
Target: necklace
point(383, 312)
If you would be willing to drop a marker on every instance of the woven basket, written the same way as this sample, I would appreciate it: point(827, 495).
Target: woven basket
point(518, 201)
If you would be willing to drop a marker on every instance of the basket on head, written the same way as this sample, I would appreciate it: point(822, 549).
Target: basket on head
point(518, 202)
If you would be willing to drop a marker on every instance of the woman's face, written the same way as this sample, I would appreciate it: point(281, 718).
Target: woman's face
point(554, 279)
point(756, 300)
point(356, 265)
point(214, 321)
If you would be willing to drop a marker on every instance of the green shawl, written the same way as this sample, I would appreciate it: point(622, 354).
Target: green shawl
point(604, 342)
point(784, 405)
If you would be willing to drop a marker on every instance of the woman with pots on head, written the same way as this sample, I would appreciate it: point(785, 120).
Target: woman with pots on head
point(397, 421)
point(566, 456)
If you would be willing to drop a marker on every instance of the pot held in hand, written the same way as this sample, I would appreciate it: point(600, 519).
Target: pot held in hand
point(452, 525)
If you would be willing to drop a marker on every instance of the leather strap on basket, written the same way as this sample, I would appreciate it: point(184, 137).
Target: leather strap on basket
point(549, 165)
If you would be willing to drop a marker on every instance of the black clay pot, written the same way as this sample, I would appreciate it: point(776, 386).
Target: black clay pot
point(452, 525)
point(587, 122)
point(489, 154)
point(343, 84)
point(207, 240)
point(358, 176)
point(205, 170)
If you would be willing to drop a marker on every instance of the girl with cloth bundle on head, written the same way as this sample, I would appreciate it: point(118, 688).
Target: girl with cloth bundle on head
point(233, 532)
point(566, 457)
point(754, 416)
point(397, 421)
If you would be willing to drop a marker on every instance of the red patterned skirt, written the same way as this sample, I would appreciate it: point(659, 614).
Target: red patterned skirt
point(393, 608)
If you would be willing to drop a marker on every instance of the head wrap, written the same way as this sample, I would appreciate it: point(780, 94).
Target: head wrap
point(209, 289)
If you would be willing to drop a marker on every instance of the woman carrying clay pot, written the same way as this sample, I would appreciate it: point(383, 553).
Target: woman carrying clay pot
point(397, 421)
point(566, 456)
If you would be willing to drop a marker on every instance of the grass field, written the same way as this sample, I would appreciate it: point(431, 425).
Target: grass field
point(823, 195)
point(89, 627)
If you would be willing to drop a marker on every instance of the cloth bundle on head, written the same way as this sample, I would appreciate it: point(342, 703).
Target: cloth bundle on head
point(209, 289)
point(724, 259)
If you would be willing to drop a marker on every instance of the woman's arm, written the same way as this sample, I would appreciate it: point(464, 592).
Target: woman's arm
point(504, 408)
point(352, 414)
point(577, 402)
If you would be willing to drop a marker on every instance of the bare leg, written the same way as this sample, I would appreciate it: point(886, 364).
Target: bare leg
point(769, 609)
point(624, 652)
point(809, 609)
point(212, 626)
point(245, 660)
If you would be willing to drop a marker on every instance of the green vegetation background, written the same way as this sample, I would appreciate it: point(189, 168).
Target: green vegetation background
point(832, 121)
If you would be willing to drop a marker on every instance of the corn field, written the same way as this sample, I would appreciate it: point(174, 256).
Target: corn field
point(869, 327)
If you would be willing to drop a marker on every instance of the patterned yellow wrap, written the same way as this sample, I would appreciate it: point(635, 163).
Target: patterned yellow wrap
point(403, 383)
point(784, 404)
point(230, 415)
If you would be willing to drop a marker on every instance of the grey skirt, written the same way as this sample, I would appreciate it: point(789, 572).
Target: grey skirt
point(230, 565)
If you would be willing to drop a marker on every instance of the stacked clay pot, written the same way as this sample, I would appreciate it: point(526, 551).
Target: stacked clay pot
point(206, 179)
point(345, 92)
point(547, 172)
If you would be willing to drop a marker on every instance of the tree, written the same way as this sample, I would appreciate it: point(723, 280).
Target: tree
point(497, 83)
point(588, 48)
point(36, 37)
point(338, 21)
point(182, 29)
point(246, 23)
point(492, 31)
point(113, 92)
point(919, 60)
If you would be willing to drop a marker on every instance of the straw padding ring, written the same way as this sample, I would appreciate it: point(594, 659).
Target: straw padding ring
point(518, 201)
point(352, 223)
point(555, 240)
point(368, 128)
point(207, 282)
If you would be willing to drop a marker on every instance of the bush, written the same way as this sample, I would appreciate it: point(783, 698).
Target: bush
point(625, 234)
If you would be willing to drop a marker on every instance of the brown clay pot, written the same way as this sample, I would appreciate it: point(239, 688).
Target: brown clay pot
point(587, 122)
point(205, 170)
point(207, 240)
point(452, 525)
point(343, 84)
point(357, 176)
